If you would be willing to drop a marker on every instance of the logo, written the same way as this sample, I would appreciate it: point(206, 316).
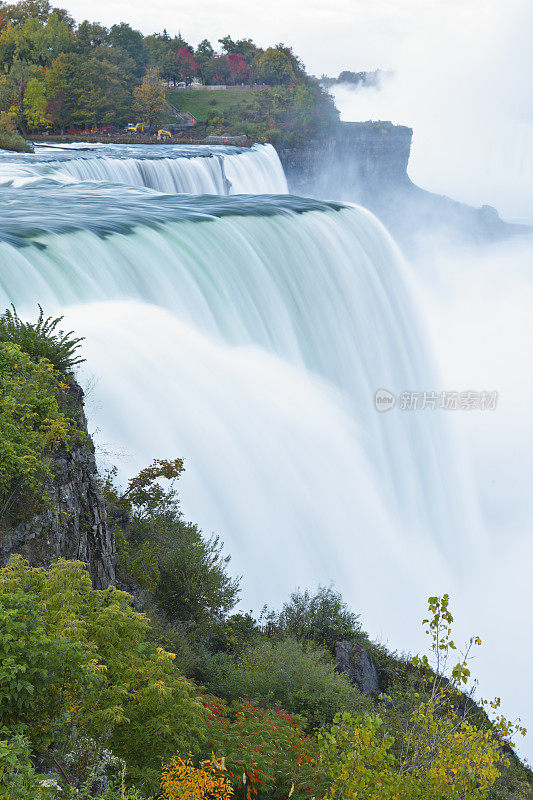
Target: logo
point(384, 400)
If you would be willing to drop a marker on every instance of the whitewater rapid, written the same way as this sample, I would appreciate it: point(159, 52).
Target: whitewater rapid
point(196, 170)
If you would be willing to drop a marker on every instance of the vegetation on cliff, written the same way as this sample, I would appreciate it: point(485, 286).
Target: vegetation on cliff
point(165, 691)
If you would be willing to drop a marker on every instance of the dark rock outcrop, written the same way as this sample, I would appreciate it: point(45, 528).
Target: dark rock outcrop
point(354, 661)
point(366, 163)
point(73, 524)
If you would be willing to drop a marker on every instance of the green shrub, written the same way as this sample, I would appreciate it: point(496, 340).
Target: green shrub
point(33, 425)
point(41, 339)
point(169, 556)
point(127, 692)
point(35, 667)
point(12, 140)
point(323, 618)
point(301, 677)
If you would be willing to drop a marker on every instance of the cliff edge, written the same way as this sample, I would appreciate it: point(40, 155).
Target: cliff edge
point(73, 522)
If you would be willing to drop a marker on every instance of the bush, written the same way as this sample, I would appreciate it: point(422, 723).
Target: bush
point(181, 780)
point(169, 556)
point(35, 667)
point(41, 339)
point(12, 140)
point(131, 696)
point(323, 618)
point(33, 425)
point(266, 752)
point(300, 677)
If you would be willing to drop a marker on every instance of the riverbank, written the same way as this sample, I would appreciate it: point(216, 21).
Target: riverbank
point(233, 141)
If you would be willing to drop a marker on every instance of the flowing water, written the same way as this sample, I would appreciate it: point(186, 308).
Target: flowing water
point(246, 330)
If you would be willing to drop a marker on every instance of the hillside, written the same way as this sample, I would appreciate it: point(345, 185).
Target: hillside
point(278, 114)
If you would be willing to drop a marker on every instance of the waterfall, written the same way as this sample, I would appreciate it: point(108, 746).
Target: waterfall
point(248, 334)
point(167, 169)
point(316, 286)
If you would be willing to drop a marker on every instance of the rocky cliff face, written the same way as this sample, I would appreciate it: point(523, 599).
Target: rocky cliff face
point(354, 661)
point(73, 524)
point(366, 163)
point(344, 165)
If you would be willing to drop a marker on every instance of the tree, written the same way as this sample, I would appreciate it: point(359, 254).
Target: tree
point(35, 104)
point(187, 66)
point(243, 47)
point(90, 35)
point(186, 573)
point(204, 55)
point(447, 751)
point(278, 66)
point(132, 43)
point(124, 691)
point(323, 618)
point(150, 100)
point(239, 69)
point(33, 424)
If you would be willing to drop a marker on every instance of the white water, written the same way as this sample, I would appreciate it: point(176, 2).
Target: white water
point(167, 169)
point(249, 335)
point(324, 290)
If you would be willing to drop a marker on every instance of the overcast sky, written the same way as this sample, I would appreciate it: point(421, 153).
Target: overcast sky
point(329, 35)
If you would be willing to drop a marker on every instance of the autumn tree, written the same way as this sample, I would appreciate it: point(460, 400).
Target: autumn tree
point(239, 69)
point(187, 66)
point(150, 100)
point(448, 750)
point(278, 66)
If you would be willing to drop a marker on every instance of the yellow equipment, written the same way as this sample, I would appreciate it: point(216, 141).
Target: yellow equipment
point(137, 128)
point(164, 134)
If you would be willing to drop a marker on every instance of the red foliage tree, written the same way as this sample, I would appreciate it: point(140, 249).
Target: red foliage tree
point(239, 69)
point(186, 63)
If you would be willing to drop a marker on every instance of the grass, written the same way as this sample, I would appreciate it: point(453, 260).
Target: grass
point(203, 103)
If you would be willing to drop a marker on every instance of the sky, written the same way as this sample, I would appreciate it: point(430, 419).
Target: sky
point(328, 36)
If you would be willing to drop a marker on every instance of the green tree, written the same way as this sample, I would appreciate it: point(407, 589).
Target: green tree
point(150, 99)
point(186, 573)
point(62, 81)
point(35, 667)
point(132, 43)
point(90, 35)
point(127, 692)
point(35, 104)
point(278, 66)
point(447, 751)
point(33, 425)
point(323, 617)
point(204, 55)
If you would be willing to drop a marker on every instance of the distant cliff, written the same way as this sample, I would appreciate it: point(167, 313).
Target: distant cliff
point(73, 523)
point(366, 163)
point(357, 156)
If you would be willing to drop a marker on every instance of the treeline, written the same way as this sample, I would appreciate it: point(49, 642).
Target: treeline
point(177, 695)
point(55, 74)
point(373, 79)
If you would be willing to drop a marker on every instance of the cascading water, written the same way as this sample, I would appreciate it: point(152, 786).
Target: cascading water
point(249, 335)
point(173, 170)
